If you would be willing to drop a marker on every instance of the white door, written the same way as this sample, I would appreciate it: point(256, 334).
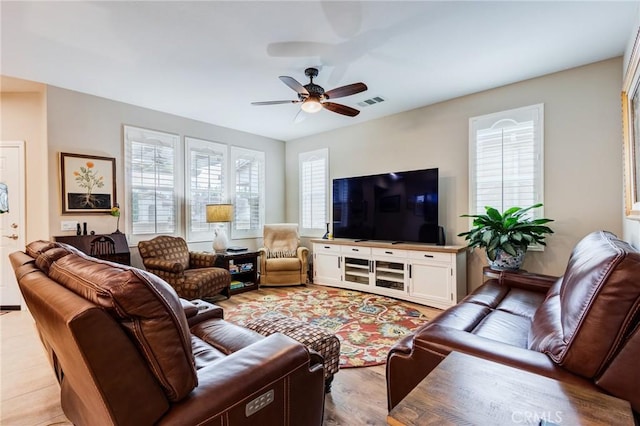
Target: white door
point(12, 218)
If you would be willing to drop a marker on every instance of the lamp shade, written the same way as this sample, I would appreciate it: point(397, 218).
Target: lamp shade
point(219, 213)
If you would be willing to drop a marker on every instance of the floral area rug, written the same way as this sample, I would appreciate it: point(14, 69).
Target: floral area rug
point(367, 325)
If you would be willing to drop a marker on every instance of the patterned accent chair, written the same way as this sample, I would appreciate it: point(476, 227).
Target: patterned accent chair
point(191, 274)
point(282, 260)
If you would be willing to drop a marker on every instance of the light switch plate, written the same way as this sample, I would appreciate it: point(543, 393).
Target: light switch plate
point(68, 225)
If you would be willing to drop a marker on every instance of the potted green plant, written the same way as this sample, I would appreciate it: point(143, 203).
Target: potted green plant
point(506, 236)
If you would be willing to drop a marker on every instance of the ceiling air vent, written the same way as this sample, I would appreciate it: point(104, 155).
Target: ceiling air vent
point(371, 101)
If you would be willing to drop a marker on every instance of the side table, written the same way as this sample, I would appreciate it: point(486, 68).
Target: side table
point(465, 389)
point(120, 252)
point(487, 272)
point(243, 267)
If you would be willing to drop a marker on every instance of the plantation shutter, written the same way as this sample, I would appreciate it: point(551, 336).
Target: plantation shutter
point(506, 160)
point(151, 181)
point(248, 187)
point(314, 173)
point(206, 170)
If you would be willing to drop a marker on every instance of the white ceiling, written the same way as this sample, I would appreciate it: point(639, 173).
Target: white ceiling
point(207, 60)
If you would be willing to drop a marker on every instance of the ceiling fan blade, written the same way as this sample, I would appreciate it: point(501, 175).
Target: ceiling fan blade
point(291, 49)
point(293, 83)
point(274, 102)
point(300, 116)
point(350, 89)
point(341, 109)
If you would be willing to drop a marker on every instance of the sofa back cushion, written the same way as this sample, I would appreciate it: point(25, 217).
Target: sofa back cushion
point(35, 248)
point(174, 249)
point(143, 304)
point(586, 317)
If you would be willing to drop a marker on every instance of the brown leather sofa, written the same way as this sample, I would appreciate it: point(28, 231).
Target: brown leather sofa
point(127, 351)
point(583, 327)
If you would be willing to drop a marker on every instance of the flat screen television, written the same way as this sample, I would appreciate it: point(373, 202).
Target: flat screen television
point(397, 207)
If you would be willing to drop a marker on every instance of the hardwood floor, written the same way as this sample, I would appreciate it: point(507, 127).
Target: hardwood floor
point(30, 394)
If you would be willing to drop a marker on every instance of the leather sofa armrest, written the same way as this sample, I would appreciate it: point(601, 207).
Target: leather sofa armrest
point(163, 265)
point(204, 311)
point(442, 339)
point(527, 280)
point(201, 260)
point(190, 310)
point(235, 380)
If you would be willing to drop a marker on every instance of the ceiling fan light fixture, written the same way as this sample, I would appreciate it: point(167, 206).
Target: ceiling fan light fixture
point(311, 105)
point(314, 98)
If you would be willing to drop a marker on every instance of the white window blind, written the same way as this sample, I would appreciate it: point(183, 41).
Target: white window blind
point(150, 160)
point(248, 174)
point(206, 179)
point(506, 159)
point(314, 176)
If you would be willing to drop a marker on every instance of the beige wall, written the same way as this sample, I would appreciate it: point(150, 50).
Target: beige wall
point(582, 155)
point(23, 117)
point(583, 176)
point(85, 124)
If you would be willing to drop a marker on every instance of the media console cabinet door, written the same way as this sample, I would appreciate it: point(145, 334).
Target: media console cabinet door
point(327, 265)
point(432, 282)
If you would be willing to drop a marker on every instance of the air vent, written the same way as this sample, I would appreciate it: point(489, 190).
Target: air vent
point(371, 101)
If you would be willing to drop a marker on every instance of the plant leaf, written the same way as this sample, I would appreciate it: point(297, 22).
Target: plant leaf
point(507, 247)
point(491, 254)
point(487, 236)
point(511, 211)
point(494, 214)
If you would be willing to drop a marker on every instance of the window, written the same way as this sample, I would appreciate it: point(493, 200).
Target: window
point(314, 177)
point(247, 187)
point(205, 184)
point(506, 159)
point(150, 183)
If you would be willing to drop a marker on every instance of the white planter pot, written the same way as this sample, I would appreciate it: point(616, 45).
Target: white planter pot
point(506, 262)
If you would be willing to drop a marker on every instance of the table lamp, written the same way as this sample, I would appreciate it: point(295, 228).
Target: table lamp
point(220, 213)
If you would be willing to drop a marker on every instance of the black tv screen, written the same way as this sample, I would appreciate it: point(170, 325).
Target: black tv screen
point(397, 207)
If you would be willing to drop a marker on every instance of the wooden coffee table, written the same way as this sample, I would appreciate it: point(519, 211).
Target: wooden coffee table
point(464, 389)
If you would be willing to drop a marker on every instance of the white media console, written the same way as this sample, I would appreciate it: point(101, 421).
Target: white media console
point(425, 274)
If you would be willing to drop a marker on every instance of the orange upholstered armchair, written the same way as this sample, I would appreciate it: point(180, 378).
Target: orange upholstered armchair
point(193, 275)
point(282, 260)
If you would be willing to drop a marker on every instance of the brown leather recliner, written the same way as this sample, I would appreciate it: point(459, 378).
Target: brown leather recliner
point(127, 351)
point(583, 327)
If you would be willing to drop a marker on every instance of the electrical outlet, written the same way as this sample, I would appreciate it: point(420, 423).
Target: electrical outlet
point(68, 225)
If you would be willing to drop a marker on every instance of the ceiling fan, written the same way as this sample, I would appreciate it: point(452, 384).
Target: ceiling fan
point(314, 98)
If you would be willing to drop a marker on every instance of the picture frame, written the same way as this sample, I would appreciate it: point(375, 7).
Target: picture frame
point(88, 183)
point(631, 133)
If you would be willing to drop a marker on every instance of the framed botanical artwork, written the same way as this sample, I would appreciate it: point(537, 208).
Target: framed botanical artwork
point(631, 132)
point(88, 183)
